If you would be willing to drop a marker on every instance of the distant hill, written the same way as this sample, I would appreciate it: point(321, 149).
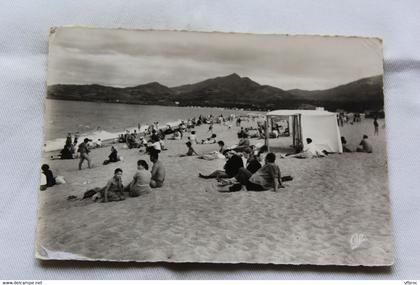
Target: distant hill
point(232, 91)
point(360, 95)
point(151, 93)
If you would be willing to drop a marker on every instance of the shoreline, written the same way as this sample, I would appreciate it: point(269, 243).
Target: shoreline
point(58, 143)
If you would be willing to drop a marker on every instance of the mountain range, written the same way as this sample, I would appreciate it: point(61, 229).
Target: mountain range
point(232, 91)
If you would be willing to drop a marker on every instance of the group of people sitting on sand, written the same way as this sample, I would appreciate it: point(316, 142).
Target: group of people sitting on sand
point(142, 182)
point(364, 145)
point(249, 172)
point(69, 149)
point(312, 150)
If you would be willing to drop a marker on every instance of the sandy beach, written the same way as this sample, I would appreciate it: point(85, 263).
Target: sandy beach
point(335, 211)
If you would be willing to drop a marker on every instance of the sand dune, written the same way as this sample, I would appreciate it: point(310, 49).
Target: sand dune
point(335, 211)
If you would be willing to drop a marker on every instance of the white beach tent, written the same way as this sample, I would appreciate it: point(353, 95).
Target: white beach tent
point(319, 125)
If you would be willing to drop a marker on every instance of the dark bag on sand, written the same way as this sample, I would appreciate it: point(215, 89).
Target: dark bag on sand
point(286, 178)
point(91, 192)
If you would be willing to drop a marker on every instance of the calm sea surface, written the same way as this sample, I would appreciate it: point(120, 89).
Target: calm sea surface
point(88, 117)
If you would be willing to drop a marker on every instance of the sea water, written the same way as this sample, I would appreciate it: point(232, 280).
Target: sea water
point(106, 120)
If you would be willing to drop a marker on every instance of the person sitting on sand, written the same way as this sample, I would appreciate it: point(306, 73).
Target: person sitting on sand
point(65, 153)
point(158, 171)
point(365, 145)
point(84, 153)
point(266, 178)
point(49, 177)
point(262, 152)
point(190, 151)
point(113, 191)
point(252, 163)
point(243, 143)
point(141, 180)
point(113, 157)
point(154, 145)
point(343, 143)
point(231, 167)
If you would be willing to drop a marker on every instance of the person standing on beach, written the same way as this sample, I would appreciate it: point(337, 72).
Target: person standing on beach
point(84, 153)
point(211, 127)
point(68, 139)
point(376, 125)
point(193, 138)
point(158, 171)
point(76, 138)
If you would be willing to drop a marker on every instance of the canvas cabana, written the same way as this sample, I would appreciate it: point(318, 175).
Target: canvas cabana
point(319, 125)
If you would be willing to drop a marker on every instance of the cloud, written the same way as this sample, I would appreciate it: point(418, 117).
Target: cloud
point(127, 58)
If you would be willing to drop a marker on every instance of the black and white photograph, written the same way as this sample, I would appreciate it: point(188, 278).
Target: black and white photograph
point(210, 147)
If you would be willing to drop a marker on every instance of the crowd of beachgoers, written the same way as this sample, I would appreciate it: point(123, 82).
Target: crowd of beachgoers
point(248, 167)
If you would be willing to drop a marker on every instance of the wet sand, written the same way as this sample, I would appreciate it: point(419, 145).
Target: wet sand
point(335, 211)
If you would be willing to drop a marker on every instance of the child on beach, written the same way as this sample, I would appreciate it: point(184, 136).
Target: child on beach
point(158, 171)
point(141, 180)
point(113, 191)
point(190, 151)
point(84, 153)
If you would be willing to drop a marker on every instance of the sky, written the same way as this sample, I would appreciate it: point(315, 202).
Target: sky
point(122, 58)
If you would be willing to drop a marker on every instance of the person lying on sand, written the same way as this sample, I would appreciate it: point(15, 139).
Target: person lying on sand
point(113, 191)
point(231, 167)
point(266, 178)
point(176, 135)
point(209, 140)
point(215, 154)
point(141, 180)
point(158, 171)
point(309, 151)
